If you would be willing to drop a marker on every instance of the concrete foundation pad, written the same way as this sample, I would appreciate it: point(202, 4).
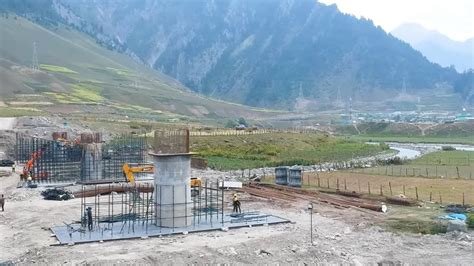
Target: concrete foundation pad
point(130, 230)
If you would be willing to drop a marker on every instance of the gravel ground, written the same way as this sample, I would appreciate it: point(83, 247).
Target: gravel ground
point(346, 236)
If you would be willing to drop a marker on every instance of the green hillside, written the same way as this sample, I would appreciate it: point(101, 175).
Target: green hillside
point(76, 74)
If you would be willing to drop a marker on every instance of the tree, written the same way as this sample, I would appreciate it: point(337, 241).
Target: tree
point(231, 124)
point(242, 121)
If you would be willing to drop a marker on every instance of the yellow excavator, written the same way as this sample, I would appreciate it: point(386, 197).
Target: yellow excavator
point(130, 168)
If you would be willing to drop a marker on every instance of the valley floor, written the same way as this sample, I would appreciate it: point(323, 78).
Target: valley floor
point(347, 236)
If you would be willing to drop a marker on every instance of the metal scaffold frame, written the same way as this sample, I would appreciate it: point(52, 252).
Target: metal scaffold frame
point(127, 206)
point(86, 159)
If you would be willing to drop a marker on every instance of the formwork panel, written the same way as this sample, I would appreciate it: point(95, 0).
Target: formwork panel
point(74, 234)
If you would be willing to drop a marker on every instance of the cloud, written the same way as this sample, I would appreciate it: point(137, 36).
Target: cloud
point(454, 18)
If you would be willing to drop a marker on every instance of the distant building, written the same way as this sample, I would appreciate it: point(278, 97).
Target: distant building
point(464, 116)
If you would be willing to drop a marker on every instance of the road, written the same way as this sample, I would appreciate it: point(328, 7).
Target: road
point(7, 123)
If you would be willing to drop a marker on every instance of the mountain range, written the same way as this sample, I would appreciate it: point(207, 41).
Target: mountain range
point(298, 55)
point(437, 47)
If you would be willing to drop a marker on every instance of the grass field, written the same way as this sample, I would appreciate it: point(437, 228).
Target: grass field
point(450, 158)
point(59, 69)
point(19, 111)
point(442, 164)
point(273, 149)
point(75, 70)
point(415, 139)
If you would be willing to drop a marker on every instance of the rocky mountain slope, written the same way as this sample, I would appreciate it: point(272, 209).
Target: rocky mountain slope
point(287, 54)
point(437, 47)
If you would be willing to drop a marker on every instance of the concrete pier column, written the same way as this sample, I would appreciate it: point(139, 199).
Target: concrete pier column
point(92, 162)
point(172, 196)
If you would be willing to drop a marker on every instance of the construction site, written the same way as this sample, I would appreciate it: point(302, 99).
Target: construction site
point(85, 197)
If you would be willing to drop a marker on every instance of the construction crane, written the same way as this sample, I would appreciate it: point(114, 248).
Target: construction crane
point(130, 168)
point(27, 169)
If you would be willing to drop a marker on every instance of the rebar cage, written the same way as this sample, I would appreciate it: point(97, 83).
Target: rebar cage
point(86, 159)
point(127, 206)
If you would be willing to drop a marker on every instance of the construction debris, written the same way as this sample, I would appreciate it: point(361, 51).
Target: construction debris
point(4, 173)
point(57, 194)
point(402, 201)
point(291, 194)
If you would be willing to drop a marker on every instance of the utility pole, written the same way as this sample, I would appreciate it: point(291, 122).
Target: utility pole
point(310, 208)
point(34, 63)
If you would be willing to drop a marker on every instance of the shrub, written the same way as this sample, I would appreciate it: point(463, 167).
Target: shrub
point(470, 220)
point(448, 148)
point(384, 146)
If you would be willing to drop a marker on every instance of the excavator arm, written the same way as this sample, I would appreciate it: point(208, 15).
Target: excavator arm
point(130, 168)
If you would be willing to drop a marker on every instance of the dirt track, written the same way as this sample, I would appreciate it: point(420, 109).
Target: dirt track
point(340, 236)
point(7, 123)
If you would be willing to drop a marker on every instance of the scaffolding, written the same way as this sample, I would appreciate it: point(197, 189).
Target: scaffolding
point(129, 148)
point(125, 208)
point(50, 160)
point(86, 159)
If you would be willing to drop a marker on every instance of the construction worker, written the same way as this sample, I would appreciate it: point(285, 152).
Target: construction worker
point(236, 204)
point(89, 218)
point(2, 203)
point(13, 168)
point(28, 180)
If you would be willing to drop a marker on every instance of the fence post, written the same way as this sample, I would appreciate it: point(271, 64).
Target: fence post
point(416, 191)
point(457, 170)
point(381, 191)
point(358, 181)
point(337, 184)
point(440, 199)
point(319, 182)
point(390, 186)
point(328, 182)
point(463, 199)
point(430, 196)
point(345, 184)
point(368, 187)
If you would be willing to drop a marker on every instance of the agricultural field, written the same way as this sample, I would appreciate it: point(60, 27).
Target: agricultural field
point(458, 133)
point(442, 164)
point(19, 111)
point(441, 190)
point(273, 149)
point(59, 69)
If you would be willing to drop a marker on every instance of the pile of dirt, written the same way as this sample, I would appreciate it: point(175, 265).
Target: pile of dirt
point(23, 194)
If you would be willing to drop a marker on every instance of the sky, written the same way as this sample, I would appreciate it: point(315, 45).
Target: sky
point(453, 18)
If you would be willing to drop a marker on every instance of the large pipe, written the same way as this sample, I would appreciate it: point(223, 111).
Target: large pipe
point(103, 190)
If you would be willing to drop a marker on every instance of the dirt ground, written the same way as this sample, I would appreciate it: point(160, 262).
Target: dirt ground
point(346, 236)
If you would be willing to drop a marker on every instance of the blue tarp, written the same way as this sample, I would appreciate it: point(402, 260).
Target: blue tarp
point(454, 216)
